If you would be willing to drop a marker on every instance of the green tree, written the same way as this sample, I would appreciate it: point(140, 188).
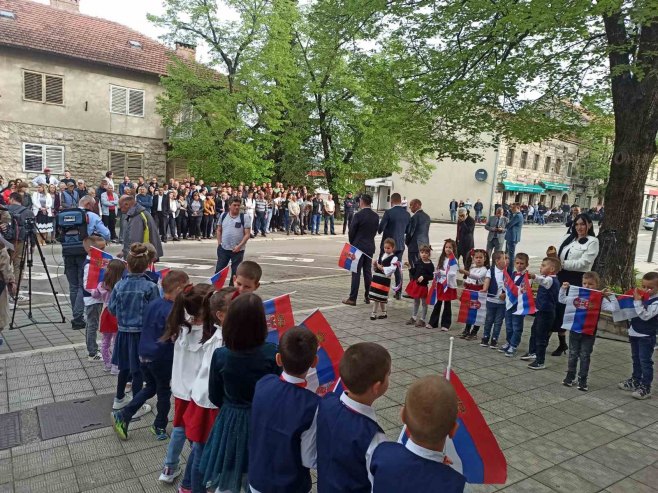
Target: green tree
point(508, 66)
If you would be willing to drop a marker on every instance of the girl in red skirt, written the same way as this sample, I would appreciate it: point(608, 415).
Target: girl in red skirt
point(421, 275)
point(446, 289)
point(474, 280)
point(200, 414)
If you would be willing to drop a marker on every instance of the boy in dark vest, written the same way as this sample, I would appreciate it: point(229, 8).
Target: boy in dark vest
point(347, 429)
point(494, 283)
point(547, 298)
point(430, 413)
point(642, 336)
point(282, 438)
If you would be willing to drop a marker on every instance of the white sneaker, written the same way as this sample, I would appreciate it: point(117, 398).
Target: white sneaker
point(120, 403)
point(95, 357)
point(146, 408)
point(169, 474)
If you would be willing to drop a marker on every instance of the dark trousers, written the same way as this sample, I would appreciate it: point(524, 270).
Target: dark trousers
point(110, 221)
point(580, 348)
point(74, 271)
point(171, 226)
point(493, 245)
point(642, 352)
point(259, 224)
point(161, 222)
point(123, 377)
point(181, 225)
point(511, 250)
point(157, 375)
point(413, 257)
point(347, 220)
point(446, 316)
point(329, 221)
point(207, 226)
point(194, 226)
point(364, 265)
point(226, 256)
point(543, 327)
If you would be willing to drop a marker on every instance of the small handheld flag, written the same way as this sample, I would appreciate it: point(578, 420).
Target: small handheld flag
point(626, 302)
point(278, 312)
point(511, 290)
point(431, 293)
point(582, 311)
point(526, 298)
point(349, 258)
point(473, 307)
point(219, 278)
point(325, 378)
point(98, 260)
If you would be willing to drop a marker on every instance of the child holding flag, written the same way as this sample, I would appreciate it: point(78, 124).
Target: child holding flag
point(421, 274)
point(514, 322)
point(494, 285)
point(93, 306)
point(286, 430)
point(642, 336)
point(347, 428)
point(430, 415)
point(582, 329)
point(108, 323)
point(445, 286)
point(475, 277)
point(383, 269)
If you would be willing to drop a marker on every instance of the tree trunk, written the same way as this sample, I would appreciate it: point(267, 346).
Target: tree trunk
point(634, 151)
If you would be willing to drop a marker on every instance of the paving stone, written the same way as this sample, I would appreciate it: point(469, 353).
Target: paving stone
point(92, 450)
point(37, 446)
point(629, 485)
point(103, 472)
point(559, 479)
point(526, 461)
point(6, 475)
point(129, 486)
point(648, 476)
point(67, 376)
point(59, 481)
point(510, 431)
point(613, 424)
point(147, 461)
point(549, 450)
point(592, 470)
point(29, 394)
point(55, 366)
point(42, 462)
point(71, 387)
point(635, 412)
point(527, 485)
point(27, 382)
point(624, 455)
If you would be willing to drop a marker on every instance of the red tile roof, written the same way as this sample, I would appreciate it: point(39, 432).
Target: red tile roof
point(46, 29)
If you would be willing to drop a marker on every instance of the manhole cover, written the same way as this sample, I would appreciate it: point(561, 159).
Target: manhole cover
point(70, 417)
point(10, 430)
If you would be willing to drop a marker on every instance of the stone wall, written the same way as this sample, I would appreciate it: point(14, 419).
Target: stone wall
point(86, 153)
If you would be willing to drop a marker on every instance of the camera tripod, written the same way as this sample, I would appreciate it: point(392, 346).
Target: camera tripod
point(27, 256)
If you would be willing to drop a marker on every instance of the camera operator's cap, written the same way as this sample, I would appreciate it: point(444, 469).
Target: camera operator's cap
point(46, 170)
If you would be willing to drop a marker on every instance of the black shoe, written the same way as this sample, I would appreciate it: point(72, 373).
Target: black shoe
point(405, 295)
point(560, 351)
point(398, 296)
point(464, 334)
point(77, 324)
point(484, 342)
point(582, 385)
point(176, 239)
point(366, 301)
point(568, 382)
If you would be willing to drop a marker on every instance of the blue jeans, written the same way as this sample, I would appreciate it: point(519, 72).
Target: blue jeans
point(74, 270)
point(315, 223)
point(176, 443)
point(268, 220)
point(495, 317)
point(198, 486)
point(642, 353)
point(513, 327)
point(286, 219)
point(580, 349)
point(157, 375)
point(226, 256)
point(453, 216)
point(330, 220)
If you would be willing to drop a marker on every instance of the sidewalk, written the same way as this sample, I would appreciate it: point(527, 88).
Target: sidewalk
point(554, 438)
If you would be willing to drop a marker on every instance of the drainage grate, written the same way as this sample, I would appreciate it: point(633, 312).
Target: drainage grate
point(10, 430)
point(70, 417)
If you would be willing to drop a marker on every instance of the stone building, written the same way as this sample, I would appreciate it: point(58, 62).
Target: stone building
point(79, 93)
point(527, 173)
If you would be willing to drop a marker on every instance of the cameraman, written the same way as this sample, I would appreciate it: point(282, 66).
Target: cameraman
point(74, 262)
point(20, 217)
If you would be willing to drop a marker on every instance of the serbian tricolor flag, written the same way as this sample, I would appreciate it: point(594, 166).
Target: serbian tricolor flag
point(526, 298)
point(219, 279)
point(278, 312)
point(473, 451)
point(162, 273)
point(511, 290)
point(473, 307)
point(98, 260)
point(431, 293)
point(626, 309)
point(349, 257)
point(582, 311)
point(323, 378)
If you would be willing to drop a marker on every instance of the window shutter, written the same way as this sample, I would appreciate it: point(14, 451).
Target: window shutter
point(118, 100)
point(32, 157)
point(136, 103)
point(117, 162)
point(134, 164)
point(54, 90)
point(32, 86)
point(55, 158)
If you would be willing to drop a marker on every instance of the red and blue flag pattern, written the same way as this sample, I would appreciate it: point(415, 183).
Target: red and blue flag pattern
point(525, 299)
point(219, 278)
point(98, 260)
point(473, 451)
point(279, 316)
point(472, 307)
point(349, 257)
point(325, 378)
point(626, 306)
point(582, 311)
point(511, 290)
point(440, 281)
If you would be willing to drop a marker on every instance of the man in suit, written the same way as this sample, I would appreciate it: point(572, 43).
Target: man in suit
point(393, 225)
point(513, 233)
point(496, 226)
point(362, 235)
point(418, 231)
point(160, 212)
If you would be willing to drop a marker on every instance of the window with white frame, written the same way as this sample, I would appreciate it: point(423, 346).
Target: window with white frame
point(126, 101)
point(126, 163)
point(36, 157)
point(43, 88)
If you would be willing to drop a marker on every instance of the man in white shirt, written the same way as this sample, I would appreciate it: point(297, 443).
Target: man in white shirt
point(233, 232)
point(45, 179)
point(329, 211)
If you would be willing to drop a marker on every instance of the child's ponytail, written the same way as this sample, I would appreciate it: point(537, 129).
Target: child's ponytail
point(214, 302)
point(187, 306)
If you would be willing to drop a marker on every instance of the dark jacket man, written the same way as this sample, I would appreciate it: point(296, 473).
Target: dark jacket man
point(161, 216)
point(394, 225)
point(418, 230)
point(362, 235)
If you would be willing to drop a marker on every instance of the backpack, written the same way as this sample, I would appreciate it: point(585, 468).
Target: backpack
point(221, 220)
point(12, 234)
point(72, 230)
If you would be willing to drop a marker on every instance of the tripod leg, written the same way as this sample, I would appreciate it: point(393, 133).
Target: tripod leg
point(50, 281)
point(12, 325)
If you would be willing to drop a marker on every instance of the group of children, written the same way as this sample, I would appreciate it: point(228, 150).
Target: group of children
point(243, 402)
point(492, 279)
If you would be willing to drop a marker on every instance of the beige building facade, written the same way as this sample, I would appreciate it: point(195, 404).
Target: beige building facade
point(77, 93)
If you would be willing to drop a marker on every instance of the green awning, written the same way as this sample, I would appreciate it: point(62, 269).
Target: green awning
point(522, 187)
point(560, 187)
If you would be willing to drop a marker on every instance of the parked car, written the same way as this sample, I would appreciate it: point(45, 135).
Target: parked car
point(649, 221)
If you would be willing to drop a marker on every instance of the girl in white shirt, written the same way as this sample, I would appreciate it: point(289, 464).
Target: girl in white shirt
point(474, 281)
